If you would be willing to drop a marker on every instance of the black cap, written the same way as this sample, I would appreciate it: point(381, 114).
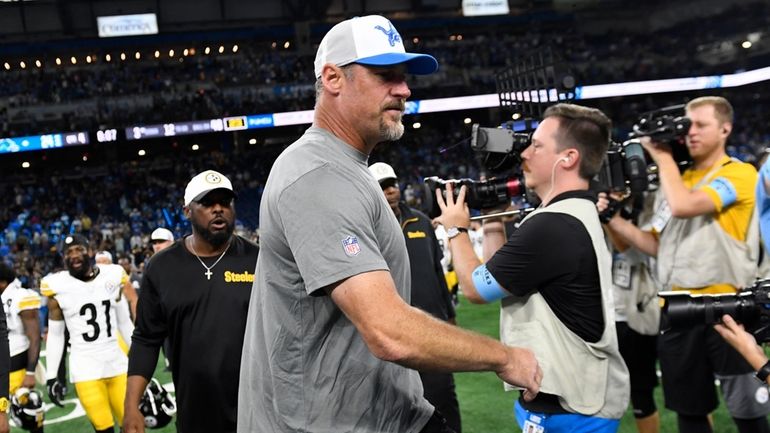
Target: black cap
point(71, 240)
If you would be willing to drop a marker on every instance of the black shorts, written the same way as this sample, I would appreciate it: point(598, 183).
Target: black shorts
point(689, 361)
point(640, 352)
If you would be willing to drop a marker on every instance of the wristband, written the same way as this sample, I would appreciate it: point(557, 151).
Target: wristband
point(763, 372)
point(30, 373)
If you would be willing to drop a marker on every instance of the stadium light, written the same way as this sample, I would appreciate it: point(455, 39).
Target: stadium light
point(415, 40)
point(141, 152)
point(108, 57)
point(171, 53)
point(516, 116)
point(74, 60)
point(195, 147)
point(467, 121)
point(186, 52)
point(58, 61)
point(38, 63)
point(7, 66)
point(88, 59)
point(287, 44)
point(235, 48)
point(221, 49)
point(252, 141)
point(746, 44)
point(25, 164)
point(22, 64)
point(416, 125)
point(192, 51)
point(274, 44)
point(122, 56)
point(157, 54)
point(138, 55)
point(459, 37)
point(207, 50)
point(85, 158)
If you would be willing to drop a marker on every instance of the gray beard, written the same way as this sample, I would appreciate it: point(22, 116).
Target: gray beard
point(391, 132)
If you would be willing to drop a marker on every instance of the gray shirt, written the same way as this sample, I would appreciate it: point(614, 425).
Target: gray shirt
point(305, 367)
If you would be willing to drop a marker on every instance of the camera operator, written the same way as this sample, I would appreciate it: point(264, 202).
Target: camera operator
point(554, 277)
point(705, 242)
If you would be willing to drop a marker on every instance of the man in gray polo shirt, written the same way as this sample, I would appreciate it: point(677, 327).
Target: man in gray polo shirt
point(331, 340)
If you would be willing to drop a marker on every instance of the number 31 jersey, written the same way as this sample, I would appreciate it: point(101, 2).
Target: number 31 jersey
point(90, 316)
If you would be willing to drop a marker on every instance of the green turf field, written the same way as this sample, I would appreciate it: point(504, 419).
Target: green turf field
point(485, 407)
point(71, 418)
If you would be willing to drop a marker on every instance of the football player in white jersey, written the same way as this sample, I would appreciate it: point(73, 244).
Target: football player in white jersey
point(21, 314)
point(88, 300)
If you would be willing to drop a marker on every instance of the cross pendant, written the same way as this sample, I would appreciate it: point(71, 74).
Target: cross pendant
point(208, 274)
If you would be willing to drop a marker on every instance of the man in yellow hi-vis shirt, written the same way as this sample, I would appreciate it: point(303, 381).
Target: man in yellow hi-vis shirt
point(705, 237)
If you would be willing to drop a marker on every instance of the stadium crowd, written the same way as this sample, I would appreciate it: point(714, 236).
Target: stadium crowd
point(264, 76)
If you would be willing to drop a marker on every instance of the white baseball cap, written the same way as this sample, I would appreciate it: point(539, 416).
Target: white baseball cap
point(371, 40)
point(382, 171)
point(103, 255)
point(161, 234)
point(205, 182)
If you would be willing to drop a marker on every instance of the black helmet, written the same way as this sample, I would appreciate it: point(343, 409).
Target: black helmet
point(157, 405)
point(27, 409)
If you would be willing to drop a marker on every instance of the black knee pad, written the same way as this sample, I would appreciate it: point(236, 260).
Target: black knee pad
point(643, 403)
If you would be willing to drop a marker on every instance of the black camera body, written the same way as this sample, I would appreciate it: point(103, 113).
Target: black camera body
point(667, 125)
point(499, 148)
point(750, 307)
point(624, 168)
point(481, 194)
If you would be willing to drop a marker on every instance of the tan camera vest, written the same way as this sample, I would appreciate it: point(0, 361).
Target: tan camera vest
point(695, 253)
point(588, 378)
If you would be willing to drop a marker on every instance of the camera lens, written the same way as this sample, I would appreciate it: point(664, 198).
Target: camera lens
point(683, 310)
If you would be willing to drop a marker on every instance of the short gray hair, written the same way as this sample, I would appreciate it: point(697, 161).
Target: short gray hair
point(319, 85)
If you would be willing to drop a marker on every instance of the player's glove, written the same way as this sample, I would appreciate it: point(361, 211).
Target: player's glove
point(55, 391)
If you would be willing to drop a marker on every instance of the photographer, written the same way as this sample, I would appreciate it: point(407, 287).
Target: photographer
point(554, 277)
point(746, 345)
point(705, 242)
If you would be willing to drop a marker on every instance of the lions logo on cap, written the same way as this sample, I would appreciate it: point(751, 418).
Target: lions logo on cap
point(391, 33)
point(213, 178)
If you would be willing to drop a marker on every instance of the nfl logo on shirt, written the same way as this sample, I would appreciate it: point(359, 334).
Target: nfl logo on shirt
point(351, 246)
